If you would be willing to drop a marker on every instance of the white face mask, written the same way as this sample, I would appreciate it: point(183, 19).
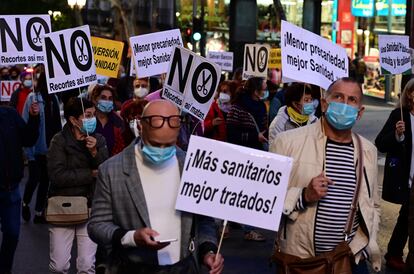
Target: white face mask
point(140, 92)
point(133, 127)
point(224, 97)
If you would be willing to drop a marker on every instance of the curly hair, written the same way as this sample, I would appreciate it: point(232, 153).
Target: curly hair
point(97, 90)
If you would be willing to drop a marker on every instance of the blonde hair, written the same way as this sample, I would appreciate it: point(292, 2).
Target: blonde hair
point(405, 101)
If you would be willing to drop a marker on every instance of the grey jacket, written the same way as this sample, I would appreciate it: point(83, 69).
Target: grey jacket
point(70, 164)
point(119, 206)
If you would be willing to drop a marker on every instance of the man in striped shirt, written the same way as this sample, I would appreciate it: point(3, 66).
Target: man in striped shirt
point(323, 181)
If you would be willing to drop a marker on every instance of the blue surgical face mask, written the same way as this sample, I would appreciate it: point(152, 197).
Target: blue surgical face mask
point(341, 116)
point(27, 83)
point(88, 125)
point(265, 95)
point(105, 106)
point(308, 108)
point(158, 155)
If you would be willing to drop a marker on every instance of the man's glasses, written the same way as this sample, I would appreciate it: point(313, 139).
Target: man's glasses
point(157, 121)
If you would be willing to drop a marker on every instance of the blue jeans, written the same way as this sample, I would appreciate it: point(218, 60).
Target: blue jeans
point(10, 204)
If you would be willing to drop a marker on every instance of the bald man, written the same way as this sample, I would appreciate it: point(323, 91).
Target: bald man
point(133, 210)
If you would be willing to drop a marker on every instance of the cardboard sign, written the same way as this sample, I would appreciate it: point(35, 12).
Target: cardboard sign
point(107, 54)
point(21, 38)
point(256, 58)
point(275, 59)
point(309, 58)
point(395, 54)
point(70, 63)
point(234, 183)
point(412, 60)
point(7, 88)
point(152, 52)
point(132, 71)
point(223, 59)
point(191, 82)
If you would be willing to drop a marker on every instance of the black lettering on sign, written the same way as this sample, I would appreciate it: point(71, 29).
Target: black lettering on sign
point(248, 57)
point(63, 61)
point(176, 61)
point(82, 57)
point(262, 57)
point(208, 78)
point(80, 49)
point(15, 38)
point(36, 24)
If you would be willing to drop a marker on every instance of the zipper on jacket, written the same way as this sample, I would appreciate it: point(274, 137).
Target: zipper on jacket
point(367, 182)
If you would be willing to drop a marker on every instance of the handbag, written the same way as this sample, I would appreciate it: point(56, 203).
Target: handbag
point(188, 265)
point(337, 261)
point(67, 210)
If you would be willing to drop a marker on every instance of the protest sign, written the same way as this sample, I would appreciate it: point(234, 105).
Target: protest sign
point(395, 54)
point(275, 59)
point(223, 59)
point(234, 183)
point(152, 52)
point(309, 58)
point(21, 38)
point(191, 82)
point(69, 59)
point(107, 54)
point(7, 88)
point(132, 71)
point(412, 60)
point(255, 60)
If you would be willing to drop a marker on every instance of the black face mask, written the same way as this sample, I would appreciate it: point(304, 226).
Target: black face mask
point(5, 77)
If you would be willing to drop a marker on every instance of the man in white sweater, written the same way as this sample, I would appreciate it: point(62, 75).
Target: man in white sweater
point(133, 211)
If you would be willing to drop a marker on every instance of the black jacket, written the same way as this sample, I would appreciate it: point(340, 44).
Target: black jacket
point(395, 187)
point(14, 135)
point(70, 164)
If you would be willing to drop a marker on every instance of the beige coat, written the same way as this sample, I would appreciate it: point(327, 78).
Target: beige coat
point(306, 145)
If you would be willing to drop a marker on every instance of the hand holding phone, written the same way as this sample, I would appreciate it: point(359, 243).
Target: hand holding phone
point(166, 241)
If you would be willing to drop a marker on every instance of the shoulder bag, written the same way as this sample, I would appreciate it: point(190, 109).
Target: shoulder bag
point(67, 210)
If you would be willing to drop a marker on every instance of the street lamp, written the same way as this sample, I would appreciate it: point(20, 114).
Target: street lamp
point(77, 5)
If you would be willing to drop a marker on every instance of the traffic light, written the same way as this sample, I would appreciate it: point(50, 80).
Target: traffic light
point(198, 29)
point(188, 34)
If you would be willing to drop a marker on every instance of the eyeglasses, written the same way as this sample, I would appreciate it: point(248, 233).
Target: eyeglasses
point(157, 121)
point(141, 86)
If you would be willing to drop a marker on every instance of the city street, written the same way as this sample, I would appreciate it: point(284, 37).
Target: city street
point(240, 256)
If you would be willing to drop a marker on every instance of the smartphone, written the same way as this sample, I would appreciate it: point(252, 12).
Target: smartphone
point(166, 241)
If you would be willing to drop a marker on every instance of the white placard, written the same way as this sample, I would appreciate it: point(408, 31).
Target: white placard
point(132, 71)
point(152, 52)
point(21, 38)
point(395, 54)
point(191, 82)
point(412, 60)
point(234, 183)
point(310, 58)
point(222, 58)
point(7, 88)
point(70, 62)
point(255, 61)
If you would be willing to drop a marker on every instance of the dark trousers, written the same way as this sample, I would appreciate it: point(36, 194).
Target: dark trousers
point(400, 233)
point(37, 177)
point(361, 268)
point(10, 204)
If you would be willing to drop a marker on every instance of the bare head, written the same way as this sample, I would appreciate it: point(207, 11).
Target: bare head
point(160, 123)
